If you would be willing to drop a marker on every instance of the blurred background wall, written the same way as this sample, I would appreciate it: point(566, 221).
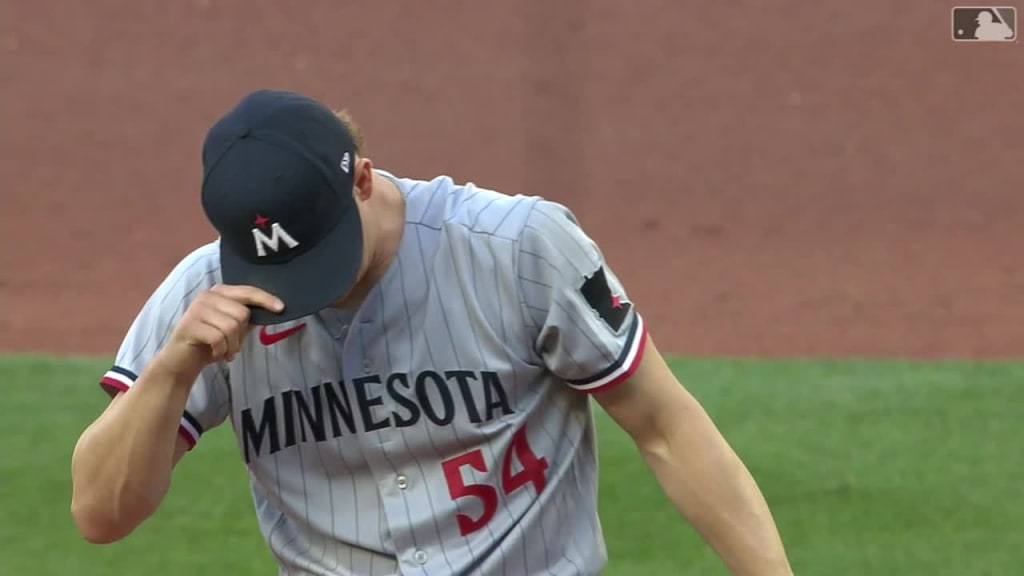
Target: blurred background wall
point(773, 178)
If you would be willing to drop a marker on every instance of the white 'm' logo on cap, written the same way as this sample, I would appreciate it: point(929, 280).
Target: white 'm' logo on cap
point(346, 160)
point(277, 234)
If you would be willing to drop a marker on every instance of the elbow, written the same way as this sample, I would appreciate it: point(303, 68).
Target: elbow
point(104, 514)
point(94, 534)
point(104, 509)
point(97, 526)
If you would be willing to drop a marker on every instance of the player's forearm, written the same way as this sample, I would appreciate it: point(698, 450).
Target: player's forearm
point(122, 464)
point(714, 491)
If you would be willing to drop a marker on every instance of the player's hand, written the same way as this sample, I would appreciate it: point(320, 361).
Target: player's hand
point(214, 326)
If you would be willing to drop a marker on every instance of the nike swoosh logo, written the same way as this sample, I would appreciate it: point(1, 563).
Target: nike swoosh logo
point(270, 338)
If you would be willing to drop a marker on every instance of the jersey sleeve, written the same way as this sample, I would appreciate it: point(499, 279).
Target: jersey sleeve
point(208, 402)
point(588, 333)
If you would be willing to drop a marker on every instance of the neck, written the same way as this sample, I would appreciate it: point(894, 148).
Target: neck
point(387, 244)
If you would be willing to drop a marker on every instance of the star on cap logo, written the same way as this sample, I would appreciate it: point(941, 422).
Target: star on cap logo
point(273, 242)
point(346, 162)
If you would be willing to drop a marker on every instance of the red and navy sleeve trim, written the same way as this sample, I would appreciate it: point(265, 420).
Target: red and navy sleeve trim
point(119, 379)
point(623, 367)
point(190, 429)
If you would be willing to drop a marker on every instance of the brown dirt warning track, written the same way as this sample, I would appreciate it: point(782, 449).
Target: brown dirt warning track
point(769, 178)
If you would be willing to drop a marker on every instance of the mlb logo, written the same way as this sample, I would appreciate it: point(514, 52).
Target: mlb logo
point(984, 24)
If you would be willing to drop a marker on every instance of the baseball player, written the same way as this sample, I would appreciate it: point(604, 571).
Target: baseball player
point(408, 367)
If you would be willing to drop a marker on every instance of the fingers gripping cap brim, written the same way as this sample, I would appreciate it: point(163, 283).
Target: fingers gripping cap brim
point(307, 283)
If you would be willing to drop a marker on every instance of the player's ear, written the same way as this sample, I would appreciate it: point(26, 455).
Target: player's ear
point(363, 185)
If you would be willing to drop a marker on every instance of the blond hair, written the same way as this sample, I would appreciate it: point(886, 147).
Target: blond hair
point(353, 129)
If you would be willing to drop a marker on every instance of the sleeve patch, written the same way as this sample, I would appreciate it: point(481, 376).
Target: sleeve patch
point(611, 307)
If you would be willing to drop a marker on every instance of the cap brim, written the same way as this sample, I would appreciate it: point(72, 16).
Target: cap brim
point(307, 283)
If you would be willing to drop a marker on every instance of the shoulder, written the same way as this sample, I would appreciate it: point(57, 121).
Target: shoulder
point(194, 273)
point(203, 261)
point(467, 213)
point(548, 217)
point(458, 208)
point(197, 270)
point(552, 240)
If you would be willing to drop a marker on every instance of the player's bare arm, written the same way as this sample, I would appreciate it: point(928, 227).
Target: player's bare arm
point(121, 466)
point(697, 469)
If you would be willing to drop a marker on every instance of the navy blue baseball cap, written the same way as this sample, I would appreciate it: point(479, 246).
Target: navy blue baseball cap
point(278, 172)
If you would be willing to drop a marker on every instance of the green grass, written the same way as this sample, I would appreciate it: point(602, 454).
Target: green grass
point(872, 468)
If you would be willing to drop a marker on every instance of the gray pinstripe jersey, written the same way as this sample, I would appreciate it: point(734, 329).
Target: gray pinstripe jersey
point(445, 427)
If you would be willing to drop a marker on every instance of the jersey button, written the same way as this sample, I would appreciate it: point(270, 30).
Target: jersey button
point(420, 556)
point(366, 366)
point(402, 482)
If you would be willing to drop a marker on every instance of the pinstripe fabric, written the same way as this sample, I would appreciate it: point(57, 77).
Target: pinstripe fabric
point(443, 428)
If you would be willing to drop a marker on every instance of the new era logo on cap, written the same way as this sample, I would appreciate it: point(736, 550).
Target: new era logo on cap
point(346, 163)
